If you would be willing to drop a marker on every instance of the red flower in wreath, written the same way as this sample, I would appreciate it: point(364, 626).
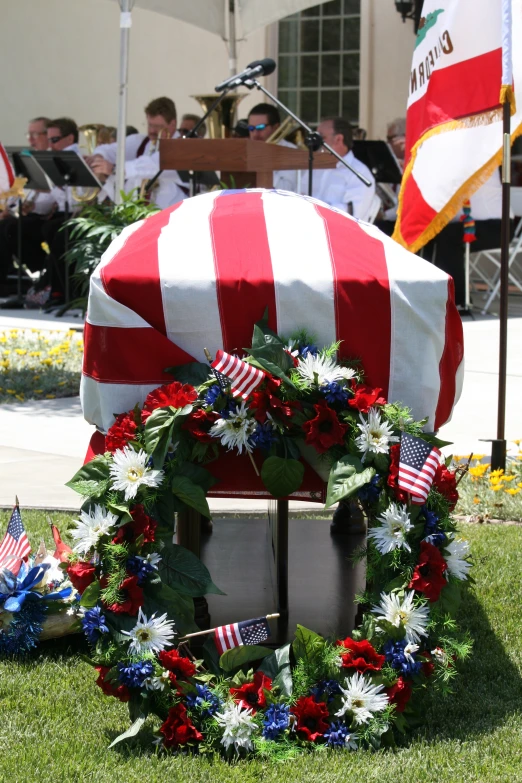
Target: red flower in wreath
point(122, 431)
point(364, 397)
point(199, 424)
point(393, 474)
point(311, 718)
point(444, 481)
point(266, 401)
point(141, 525)
point(120, 692)
point(428, 577)
point(132, 597)
point(428, 666)
point(251, 695)
point(178, 729)
point(361, 656)
point(175, 394)
point(81, 575)
point(399, 694)
point(325, 430)
point(177, 665)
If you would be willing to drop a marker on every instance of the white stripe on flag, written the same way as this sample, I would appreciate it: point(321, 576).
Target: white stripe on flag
point(100, 401)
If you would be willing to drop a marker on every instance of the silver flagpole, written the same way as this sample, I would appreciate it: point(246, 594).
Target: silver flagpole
point(125, 25)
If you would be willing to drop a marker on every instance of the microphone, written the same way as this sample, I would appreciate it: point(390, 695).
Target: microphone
point(257, 68)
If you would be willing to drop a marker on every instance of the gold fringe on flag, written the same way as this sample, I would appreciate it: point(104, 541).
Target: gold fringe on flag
point(508, 96)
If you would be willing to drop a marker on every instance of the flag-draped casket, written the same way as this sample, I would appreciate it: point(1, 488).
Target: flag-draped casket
point(199, 274)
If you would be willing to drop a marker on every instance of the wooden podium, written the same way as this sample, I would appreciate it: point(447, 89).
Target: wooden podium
point(250, 163)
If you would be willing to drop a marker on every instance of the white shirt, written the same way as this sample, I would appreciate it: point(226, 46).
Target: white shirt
point(339, 187)
point(286, 180)
point(168, 187)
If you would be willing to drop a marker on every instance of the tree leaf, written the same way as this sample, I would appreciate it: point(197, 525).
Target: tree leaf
point(346, 477)
point(91, 595)
point(131, 731)
point(238, 656)
point(184, 572)
point(158, 433)
point(282, 476)
point(193, 373)
point(191, 494)
point(307, 644)
point(95, 472)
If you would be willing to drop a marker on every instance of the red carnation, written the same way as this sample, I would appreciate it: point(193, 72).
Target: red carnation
point(175, 394)
point(141, 525)
point(428, 577)
point(199, 424)
point(445, 483)
point(361, 656)
point(178, 666)
point(81, 575)
point(399, 694)
point(178, 729)
point(266, 401)
point(132, 597)
point(122, 431)
point(325, 430)
point(121, 692)
point(251, 695)
point(393, 474)
point(311, 718)
point(364, 397)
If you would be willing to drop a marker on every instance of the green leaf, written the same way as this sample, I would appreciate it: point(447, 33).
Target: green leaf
point(277, 667)
point(238, 656)
point(282, 476)
point(158, 431)
point(191, 494)
point(120, 511)
point(131, 731)
point(346, 477)
point(164, 508)
point(307, 644)
point(272, 368)
point(450, 598)
point(184, 572)
point(429, 438)
point(193, 373)
point(381, 462)
point(274, 353)
point(91, 595)
point(94, 472)
point(180, 608)
point(198, 475)
point(263, 334)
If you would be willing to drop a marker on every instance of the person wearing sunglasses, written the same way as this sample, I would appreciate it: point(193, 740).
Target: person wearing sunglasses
point(263, 120)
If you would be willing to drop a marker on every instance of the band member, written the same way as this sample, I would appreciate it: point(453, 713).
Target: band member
point(263, 120)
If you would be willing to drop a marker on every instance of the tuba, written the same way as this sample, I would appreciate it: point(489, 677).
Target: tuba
point(221, 121)
point(289, 130)
point(88, 140)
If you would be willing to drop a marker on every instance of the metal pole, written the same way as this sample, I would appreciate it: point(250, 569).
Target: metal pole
point(125, 25)
point(498, 452)
point(232, 42)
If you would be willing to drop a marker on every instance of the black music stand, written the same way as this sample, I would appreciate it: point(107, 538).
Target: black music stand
point(66, 169)
point(378, 156)
point(24, 166)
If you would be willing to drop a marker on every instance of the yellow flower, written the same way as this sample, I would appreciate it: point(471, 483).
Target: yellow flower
point(497, 472)
point(62, 383)
point(45, 247)
point(20, 397)
point(508, 478)
point(478, 470)
point(35, 331)
point(38, 391)
point(517, 442)
point(3, 339)
point(512, 491)
point(47, 362)
point(50, 396)
point(36, 377)
point(496, 487)
point(20, 351)
point(11, 391)
point(478, 457)
point(476, 500)
point(58, 361)
point(6, 353)
point(519, 484)
point(35, 353)
point(4, 364)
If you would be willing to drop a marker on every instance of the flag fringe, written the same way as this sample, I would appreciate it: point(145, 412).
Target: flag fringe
point(448, 212)
point(508, 96)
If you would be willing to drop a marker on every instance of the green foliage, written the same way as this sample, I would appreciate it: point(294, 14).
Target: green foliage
point(193, 373)
point(282, 476)
point(92, 480)
point(347, 476)
point(237, 657)
point(184, 572)
point(191, 494)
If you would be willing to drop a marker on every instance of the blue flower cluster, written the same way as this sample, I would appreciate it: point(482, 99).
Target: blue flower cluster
point(336, 735)
point(325, 690)
point(394, 652)
point(263, 436)
point(204, 700)
point(276, 720)
point(370, 492)
point(93, 624)
point(139, 567)
point(308, 350)
point(23, 632)
point(133, 675)
point(432, 532)
point(213, 394)
point(334, 392)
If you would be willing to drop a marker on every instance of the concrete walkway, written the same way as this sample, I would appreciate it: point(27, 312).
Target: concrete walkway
point(43, 443)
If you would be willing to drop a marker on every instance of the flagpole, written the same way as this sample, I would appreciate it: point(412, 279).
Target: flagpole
point(211, 630)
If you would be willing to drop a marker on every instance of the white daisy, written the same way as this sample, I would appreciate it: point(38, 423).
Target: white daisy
point(414, 619)
point(392, 533)
point(150, 635)
point(361, 698)
point(455, 557)
point(376, 435)
point(91, 526)
point(235, 431)
point(160, 683)
point(410, 650)
point(153, 559)
point(324, 367)
point(129, 472)
point(239, 726)
point(348, 374)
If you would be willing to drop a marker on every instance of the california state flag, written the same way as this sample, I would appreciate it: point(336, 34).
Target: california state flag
point(454, 116)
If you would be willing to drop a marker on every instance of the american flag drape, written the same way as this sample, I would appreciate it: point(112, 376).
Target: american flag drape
point(247, 632)
point(418, 464)
point(15, 542)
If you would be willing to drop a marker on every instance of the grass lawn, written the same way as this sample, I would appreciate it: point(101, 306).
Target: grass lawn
point(55, 724)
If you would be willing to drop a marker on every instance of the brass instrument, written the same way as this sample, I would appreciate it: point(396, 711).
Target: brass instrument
point(221, 121)
point(289, 130)
point(88, 140)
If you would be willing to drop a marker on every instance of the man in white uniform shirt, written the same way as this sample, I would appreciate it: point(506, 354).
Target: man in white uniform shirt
point(142, 157)
point(340, 187)
point(263, 120)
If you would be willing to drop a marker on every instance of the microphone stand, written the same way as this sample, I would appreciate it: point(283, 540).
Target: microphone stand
point(314, 140)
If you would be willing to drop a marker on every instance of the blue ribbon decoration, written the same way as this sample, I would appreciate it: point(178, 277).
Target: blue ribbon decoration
point(20, 589)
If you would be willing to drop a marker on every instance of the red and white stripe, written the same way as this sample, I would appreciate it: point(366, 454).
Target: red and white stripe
point(10, 547)
point(418, 482)
point(454, 120)
point(200, 274)
point(226, 637)
point(244, 378)
point(6, 171)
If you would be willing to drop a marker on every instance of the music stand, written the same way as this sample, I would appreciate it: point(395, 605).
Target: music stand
point(66, 169)
point(378, 156)
point(24, 166)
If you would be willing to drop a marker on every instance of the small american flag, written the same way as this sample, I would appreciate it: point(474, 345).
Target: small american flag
point(15, 541)
point(248, 632)
point(243, 377)
point(417, 466)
